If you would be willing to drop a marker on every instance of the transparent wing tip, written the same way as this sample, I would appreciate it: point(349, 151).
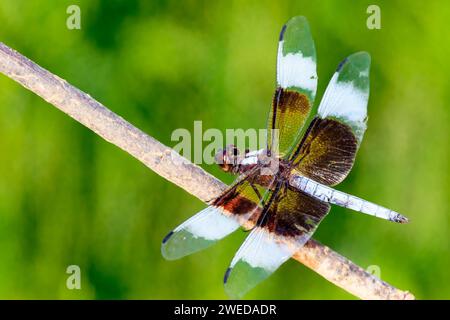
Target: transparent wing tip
point(296, 22)
point(360, 59)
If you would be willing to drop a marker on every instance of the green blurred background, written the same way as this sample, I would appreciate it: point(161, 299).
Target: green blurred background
point(68, 197)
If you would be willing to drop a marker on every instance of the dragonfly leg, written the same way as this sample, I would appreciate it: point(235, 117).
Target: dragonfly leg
point(258, 194)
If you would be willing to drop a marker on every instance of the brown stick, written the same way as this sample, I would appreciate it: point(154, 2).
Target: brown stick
point(173, 167)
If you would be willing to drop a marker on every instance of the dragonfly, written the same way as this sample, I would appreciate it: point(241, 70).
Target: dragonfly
point(286, 189)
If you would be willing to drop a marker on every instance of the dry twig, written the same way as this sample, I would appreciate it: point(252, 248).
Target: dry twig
point(173, 167)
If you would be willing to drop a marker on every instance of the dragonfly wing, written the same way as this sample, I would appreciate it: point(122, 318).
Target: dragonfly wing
point(197, 233)
point(296, 86)
point(258, 257)
point(328, 149)
point(291, 219)
point(347, 94)
point(239, 202)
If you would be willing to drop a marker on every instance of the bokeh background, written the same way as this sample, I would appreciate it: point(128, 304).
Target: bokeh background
point(68, 197)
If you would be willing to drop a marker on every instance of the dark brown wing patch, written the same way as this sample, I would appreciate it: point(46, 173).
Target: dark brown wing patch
point(245, 197)
point(289, 111)
point(295, 214)
point(327, 152)
point(238, 200)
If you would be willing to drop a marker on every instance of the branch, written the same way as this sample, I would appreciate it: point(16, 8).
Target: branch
point(177, 169)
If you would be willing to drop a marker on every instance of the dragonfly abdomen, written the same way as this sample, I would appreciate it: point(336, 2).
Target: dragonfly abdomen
point(342, 199)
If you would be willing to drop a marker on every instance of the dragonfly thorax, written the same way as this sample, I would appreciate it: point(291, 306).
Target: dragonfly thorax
point(232, 161)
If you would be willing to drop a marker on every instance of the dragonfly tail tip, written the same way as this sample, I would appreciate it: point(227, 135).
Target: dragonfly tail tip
point(400, 219)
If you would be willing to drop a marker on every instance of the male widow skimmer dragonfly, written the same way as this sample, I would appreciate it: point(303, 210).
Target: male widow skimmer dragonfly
point(285, 189)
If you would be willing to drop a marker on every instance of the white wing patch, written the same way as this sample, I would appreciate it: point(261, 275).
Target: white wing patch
point(344, 100)
point(295, 70)
point(209, 224)
point(261, 250)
